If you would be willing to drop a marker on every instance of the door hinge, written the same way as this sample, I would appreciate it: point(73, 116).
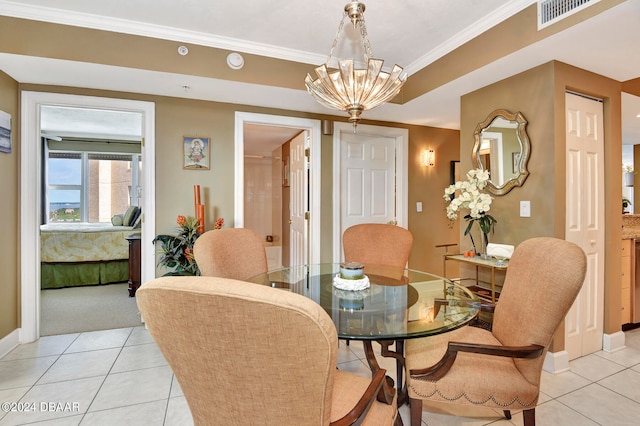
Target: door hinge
point(142, 142)
point(307, 152)
point(306, 215)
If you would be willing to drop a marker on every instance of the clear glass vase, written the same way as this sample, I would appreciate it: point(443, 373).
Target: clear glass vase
point(484, 241)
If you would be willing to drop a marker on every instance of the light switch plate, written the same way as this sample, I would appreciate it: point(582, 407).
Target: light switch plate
point(419, 206)
point(525, 208)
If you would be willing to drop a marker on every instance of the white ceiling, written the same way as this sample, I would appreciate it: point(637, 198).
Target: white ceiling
point(59, 121)
point(412, 33)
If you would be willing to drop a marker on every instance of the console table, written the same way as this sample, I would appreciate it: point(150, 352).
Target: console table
point(135, 266)
point(479, 263)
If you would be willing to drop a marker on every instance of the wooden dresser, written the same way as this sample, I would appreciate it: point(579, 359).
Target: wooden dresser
point(135, 266)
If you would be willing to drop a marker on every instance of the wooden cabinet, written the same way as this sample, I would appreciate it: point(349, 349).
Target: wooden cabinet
point(135, 266)
point(628, 278)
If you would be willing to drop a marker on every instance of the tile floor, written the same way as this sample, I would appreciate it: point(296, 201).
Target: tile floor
point(118, 377)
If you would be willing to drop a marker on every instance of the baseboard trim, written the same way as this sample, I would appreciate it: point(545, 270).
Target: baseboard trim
point(613, 342)
point(8, 342)
point(556, 362)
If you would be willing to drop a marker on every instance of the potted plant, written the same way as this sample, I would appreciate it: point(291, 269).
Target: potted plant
point(176, 251)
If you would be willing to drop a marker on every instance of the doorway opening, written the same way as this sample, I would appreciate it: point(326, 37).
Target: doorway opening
point(267, 188)
point(31, 201)
point(255, 123)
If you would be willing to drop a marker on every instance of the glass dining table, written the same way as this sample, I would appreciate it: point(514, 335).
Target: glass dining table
point(399, 304)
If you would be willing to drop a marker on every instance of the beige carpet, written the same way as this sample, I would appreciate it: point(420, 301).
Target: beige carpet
point(89, 308)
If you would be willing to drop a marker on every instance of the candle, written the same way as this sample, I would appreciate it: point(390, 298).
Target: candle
point(200, 218)
point(196, 198)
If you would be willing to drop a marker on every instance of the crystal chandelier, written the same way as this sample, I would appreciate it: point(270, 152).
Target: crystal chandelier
point(352, 89)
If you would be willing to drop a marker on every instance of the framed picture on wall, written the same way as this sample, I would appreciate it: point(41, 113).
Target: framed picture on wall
point(285, 171)
point(196, 153)
point(5, 132)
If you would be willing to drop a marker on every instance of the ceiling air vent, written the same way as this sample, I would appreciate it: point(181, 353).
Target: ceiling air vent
point(551, 11)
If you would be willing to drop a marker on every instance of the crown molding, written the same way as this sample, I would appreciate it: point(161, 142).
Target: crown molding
point(499, 15)
point(85, 20)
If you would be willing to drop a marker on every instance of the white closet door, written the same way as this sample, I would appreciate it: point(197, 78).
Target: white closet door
point(585, 220)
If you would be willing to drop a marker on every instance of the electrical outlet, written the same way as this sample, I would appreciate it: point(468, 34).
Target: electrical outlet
point(525, 208)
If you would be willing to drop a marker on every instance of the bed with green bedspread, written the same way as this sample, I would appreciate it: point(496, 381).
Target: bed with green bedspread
point(77, 254)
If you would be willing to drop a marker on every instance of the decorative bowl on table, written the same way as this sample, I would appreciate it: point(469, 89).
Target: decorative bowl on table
point(351, 277)
point(351, 271)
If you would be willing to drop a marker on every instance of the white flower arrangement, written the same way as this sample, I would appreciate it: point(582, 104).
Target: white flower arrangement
point(628, 168)
point(469, 195)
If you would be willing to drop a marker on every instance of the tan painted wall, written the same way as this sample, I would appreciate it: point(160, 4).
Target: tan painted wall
point(427, 184)
point(632, 86)
point(516, 94)
point(9, 222)
point(539, 94)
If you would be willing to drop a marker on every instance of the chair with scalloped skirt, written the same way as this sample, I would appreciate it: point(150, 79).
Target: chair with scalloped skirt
point(501, 368)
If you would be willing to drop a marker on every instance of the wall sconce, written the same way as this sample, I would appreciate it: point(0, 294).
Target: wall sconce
point(428, 158)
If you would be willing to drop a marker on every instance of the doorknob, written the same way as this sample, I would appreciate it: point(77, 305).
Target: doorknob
point(593, 242)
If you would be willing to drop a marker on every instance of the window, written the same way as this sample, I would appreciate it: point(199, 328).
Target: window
point(65, 187)
point(90, 187)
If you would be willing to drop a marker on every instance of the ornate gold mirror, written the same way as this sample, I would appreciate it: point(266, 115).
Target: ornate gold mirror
point(502, 147)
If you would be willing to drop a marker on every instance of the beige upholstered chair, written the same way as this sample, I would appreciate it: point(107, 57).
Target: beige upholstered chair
point(250, 354)
point(377, 243)
point(236, 253)
point(501, 368)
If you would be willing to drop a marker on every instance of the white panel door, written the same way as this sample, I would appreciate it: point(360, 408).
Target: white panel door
point(367, 179)
point(299, 200)
point(585, 220)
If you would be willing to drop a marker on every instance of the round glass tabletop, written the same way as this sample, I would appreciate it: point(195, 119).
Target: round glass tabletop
point(399, 304)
